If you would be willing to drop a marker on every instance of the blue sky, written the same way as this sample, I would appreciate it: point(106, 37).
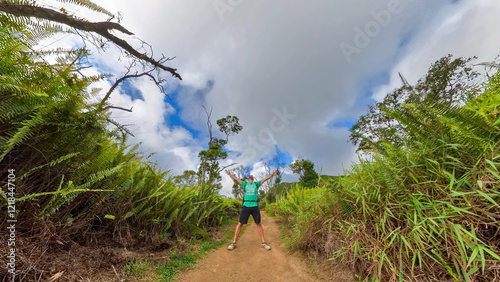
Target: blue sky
point(297, 74)
point(175, 120)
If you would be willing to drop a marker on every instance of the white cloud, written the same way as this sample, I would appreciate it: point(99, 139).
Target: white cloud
point(465, 29)
point(174, 147)
point(267, 56)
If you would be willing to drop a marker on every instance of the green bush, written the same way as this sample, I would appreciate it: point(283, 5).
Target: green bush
point(73, 170)
point(424, 207)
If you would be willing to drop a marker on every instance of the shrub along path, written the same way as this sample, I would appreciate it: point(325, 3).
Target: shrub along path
point(249, 261)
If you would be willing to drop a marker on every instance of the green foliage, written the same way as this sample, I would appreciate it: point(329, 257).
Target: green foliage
point(425, 204)
point(305, 169)
point(209, 166)
point(75, 172)
point(187, 178)
point(209, 169)
point(229, 125)
point(449, 81)
point(330, 182)
point(89, 5)
point(210, 245)
point(487, 105)
point(137, 268)
point(176, 264)
point(301, 209)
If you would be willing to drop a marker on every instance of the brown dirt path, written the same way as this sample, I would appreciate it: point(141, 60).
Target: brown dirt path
point(250, 261)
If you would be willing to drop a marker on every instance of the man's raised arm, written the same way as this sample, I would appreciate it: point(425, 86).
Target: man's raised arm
point(233, 177)
point(269, 176)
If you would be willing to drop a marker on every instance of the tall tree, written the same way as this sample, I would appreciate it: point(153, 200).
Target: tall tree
point(209, 169)
point(308, 177)
point(187, 178)
point(451, 81)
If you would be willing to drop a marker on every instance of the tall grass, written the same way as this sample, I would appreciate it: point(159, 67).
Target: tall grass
point(424, 210)
point(76, 174)
point(304, 211)
point(432, 223)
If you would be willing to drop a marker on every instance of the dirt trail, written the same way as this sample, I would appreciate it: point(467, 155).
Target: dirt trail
point(250, 261)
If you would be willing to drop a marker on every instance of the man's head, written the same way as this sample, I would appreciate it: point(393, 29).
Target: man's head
point(250, 178)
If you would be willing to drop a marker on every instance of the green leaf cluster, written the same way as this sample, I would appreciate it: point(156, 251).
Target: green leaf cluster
point(308, 177)
point(74, 171)
point(425, 203)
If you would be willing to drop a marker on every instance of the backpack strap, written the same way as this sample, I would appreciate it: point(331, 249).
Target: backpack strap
point(243, 186)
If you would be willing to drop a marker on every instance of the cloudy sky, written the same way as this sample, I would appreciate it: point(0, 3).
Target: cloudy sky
point(298, 74)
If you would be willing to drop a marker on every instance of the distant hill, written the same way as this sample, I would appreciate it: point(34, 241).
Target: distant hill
point(278, 191)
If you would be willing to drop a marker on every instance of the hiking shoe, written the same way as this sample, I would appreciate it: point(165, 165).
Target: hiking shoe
point(266, 246)
point(231, 246)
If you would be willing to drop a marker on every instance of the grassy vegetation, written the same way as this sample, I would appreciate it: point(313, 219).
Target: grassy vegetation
point(179, 262)
point(423, 208)
point(76, 177)
point(184, 255)
point(422, 205)
point(137, 268)
point(278, 192)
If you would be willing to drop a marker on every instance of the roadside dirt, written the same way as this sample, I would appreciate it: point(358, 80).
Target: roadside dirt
point(250, 261)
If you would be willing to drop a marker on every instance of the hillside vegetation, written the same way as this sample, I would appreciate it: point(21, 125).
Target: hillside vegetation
point(74, 179)
point(423, 203)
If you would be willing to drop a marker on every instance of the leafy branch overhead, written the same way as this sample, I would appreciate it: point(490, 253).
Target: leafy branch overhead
point(27, 9)
point(449, 81)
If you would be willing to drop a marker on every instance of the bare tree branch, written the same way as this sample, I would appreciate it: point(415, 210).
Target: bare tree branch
point(120, 80)
point(121, 127)
point(224, 167)
point(101, 28)
point(118, 108)
point(204, 161)
point(319, 176)
point(209, 123)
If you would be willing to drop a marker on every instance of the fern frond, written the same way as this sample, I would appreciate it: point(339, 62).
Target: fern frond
point(17, 86)
point(51, 164)
point(22, 134)
point(33, 31)
point(89, 5)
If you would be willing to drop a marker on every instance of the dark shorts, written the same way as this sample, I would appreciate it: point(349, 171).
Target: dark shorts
point(247, 211)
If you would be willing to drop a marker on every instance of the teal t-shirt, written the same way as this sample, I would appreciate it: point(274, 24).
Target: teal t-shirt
point(251, 193)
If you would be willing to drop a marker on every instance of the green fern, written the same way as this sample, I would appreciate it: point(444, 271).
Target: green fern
point(22, 134)
point(88, 4)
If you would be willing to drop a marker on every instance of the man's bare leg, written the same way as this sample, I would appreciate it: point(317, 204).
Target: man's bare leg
point(237, 231)
point(236, 234)
point(261, 232)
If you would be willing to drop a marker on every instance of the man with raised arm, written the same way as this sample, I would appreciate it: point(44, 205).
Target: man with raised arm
point(250, 207)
